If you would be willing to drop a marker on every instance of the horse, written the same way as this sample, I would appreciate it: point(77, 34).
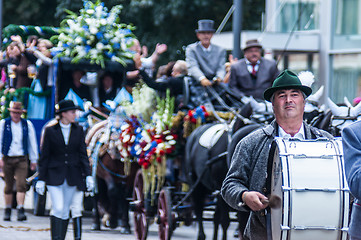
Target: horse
point(210, 175)
point(113, 184)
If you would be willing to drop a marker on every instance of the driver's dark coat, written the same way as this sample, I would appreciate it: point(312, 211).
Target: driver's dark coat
point(59, 161)
point(242, 84)
point(248, 172)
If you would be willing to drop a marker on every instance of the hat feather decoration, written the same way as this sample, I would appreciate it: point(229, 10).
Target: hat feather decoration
point(307, 78)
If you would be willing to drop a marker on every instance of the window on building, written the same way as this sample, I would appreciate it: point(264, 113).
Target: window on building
point(298, 15)
point(346, 79)
point(348, 17)
point(347, 30)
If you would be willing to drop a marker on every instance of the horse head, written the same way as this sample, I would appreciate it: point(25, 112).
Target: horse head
point(262, 111)
point(343, 115)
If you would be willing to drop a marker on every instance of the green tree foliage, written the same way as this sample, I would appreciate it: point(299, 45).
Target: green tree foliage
point(29, 12)
point(173, 21)
point(166, 21)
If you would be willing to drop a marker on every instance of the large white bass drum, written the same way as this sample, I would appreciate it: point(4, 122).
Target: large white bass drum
point(308, 179)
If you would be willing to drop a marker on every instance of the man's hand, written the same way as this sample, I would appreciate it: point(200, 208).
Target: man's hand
point(216, 80)
point(144, 52)
point(132, 74)
point(231, 59)
point(160, 48)
point(255, 200)
point(137, 61)
point(205, 82)
point(1, 163)
point(16, 38)
point(33, 166)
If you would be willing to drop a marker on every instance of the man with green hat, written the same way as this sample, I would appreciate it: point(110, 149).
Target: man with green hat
point(245, 183)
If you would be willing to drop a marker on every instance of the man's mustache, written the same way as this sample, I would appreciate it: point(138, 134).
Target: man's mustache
point(289, 105)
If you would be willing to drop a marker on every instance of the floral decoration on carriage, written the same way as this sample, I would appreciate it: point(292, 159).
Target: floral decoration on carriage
point(96, 34)
point(139, 132)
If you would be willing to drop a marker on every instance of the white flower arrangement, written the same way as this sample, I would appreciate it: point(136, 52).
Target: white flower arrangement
point(95, 34)
point(143, 104)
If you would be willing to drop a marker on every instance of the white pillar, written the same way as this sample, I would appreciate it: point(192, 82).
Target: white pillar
point(325, 61)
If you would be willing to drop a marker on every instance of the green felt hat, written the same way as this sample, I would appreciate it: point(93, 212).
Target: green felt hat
point(286, 80)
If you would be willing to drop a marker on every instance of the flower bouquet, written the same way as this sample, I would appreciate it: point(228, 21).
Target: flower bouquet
point(143, 104)
point(153, 140)
point(96, 34)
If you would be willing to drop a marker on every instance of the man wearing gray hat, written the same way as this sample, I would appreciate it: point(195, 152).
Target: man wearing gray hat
point(206, 61)
point(252, 74)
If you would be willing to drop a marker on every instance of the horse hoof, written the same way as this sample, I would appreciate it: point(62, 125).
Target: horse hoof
point(95, 227)
point(125, 230)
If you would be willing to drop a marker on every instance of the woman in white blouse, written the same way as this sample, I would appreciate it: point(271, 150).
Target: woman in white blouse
point(63, 166)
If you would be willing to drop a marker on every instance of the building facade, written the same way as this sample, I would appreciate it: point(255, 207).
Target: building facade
point(322, 36)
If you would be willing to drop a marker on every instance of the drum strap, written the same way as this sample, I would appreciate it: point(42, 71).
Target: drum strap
point(269, 167)
point(316, 132)
point(268, 224)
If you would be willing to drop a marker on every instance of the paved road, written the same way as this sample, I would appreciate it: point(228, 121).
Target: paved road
point(37, 228)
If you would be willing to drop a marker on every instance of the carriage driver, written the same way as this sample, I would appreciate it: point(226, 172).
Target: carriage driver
point(246, 178)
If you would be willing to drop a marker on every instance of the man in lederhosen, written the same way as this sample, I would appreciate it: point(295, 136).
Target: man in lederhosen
point(18, 145)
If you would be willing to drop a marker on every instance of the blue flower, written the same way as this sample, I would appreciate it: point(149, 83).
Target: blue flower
point(125, 31)
point(116, 46)
point(87, 5)
point(87, 48)
point(108, 54)
point(99, 35)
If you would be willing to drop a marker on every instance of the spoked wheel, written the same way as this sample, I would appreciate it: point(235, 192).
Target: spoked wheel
point(165, 215)
point(140, 218)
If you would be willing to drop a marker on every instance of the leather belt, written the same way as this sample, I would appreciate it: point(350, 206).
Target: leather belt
point(12, 157)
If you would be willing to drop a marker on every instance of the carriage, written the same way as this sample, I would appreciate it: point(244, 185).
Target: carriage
point(161, 185)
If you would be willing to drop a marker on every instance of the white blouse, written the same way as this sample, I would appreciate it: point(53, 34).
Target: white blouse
point(65, 129)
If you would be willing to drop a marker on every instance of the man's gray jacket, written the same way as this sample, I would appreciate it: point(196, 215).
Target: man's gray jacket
point(248, 172)
point(201, 63)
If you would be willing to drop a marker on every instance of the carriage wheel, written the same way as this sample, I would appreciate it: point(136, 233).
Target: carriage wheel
point(140, 219)
point(165, 215)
